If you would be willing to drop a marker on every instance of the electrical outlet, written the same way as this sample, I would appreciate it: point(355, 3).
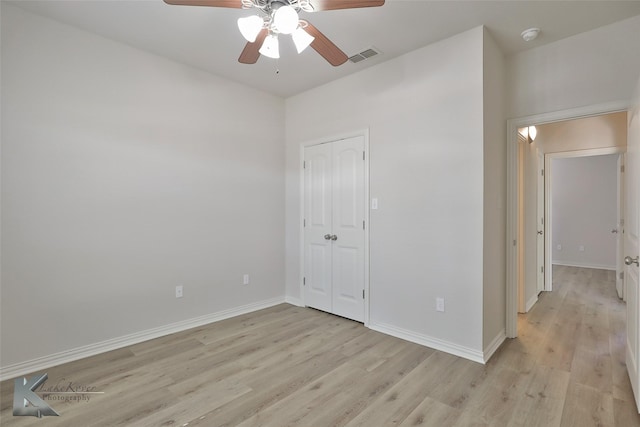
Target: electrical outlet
point(245, 279)
point(179, 291)
point(439, 304)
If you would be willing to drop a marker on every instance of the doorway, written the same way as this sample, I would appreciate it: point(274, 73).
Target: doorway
point(522, 251)
point(583, 201)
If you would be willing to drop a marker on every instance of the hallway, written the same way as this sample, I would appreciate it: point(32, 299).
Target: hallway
point(578, 331)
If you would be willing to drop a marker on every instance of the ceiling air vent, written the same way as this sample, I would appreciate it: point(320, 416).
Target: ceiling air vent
point(365, 54)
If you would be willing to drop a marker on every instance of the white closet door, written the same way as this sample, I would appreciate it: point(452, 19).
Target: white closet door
point(317, 213)
point(334, 235)
point(348, 228)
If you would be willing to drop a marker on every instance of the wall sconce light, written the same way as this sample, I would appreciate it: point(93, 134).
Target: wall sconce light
point(529, 133)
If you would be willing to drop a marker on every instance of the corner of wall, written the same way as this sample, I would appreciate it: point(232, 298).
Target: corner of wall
point(494, 207)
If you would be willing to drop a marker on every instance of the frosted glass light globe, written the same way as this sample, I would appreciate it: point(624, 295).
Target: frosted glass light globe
point(285, 20)
point(270, 47)
point(250, 27)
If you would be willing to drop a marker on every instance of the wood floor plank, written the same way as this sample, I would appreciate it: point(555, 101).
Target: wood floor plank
point(586, 407)
point(431, 413)
point(593, 368)
point(542, 402)
point(296, 366)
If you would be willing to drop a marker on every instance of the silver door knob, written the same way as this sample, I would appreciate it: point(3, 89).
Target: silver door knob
point(327, 236)
point(628, 260)
point(334, 237)
point(540, 233)
point(615, 230)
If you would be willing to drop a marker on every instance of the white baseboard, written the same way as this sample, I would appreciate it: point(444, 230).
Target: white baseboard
point(293, 301)
point(45, 362)
point(494, 345)
point(584, 265)
point(529, 304)
point(427, 341)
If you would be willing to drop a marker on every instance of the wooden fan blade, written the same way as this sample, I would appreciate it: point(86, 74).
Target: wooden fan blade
point(233, 4)
point(250, 53)
point(325, 47)
point(344, 4)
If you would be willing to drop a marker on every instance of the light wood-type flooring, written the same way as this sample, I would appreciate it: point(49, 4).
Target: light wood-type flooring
point(292, 366)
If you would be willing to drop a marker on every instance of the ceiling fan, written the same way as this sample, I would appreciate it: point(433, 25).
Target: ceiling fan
point(281, 17)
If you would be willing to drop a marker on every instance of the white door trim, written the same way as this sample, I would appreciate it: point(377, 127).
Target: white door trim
point(512, 192)
point(365, 134)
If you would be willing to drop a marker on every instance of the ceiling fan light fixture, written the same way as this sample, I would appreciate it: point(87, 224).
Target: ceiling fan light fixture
point(270, 48)
point(285, 20)
point(301, 39)
point(250, 26)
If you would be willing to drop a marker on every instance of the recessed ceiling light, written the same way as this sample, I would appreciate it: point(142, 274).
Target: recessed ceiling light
point(530, 34)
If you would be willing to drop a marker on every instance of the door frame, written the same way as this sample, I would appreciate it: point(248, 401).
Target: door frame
point(513, 169)
point(325, 140)
point(541, 190)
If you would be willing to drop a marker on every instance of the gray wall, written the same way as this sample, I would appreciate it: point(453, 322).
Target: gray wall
point(424, 111)
point(584, 211)
point(124, 175)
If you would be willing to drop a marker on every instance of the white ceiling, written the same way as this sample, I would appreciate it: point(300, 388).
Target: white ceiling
point(208, 38)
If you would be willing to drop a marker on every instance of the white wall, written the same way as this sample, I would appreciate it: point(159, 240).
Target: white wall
point(425, 115)
point(495, 194)
point(591, 68)
point(124, 175)
point(584, 211)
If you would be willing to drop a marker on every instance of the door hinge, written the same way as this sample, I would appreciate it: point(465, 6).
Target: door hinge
point(542, 172)
point(542, 220)
point(363, 224)
point(363, 155)
point(622, 169)
point(304, 165)
point(304, 222)
point(514, 242)
point(621, 275)
point(304, 281)
point(542, 269)
point(363, 294)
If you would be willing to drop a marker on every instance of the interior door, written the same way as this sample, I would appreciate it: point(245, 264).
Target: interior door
point(540, 222)
point(334, 236)
point(619, 228)
point(631, 250)
point(317, 226)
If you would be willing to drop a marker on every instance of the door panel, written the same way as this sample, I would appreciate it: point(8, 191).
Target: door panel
point(317, 207)
point(348, 226)
point(631, 244)
point(335, 206)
